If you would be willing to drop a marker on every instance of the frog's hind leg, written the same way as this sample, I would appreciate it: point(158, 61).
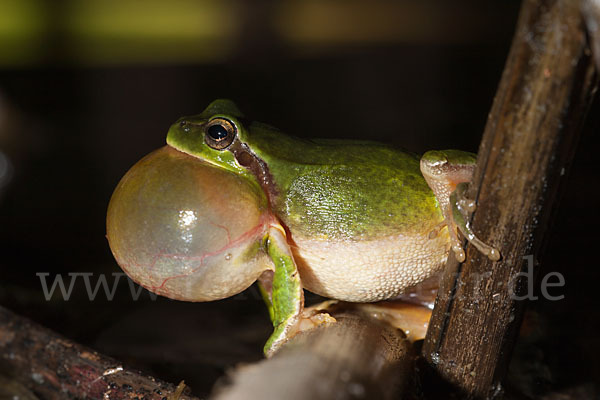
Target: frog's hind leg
point(447, 174)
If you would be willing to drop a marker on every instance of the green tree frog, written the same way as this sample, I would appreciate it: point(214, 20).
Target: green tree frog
point(227, 203)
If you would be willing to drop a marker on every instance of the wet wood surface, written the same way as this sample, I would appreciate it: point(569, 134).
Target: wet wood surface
point(591, 15)
point(53, 367)
point(528, 144)
point(356, 357)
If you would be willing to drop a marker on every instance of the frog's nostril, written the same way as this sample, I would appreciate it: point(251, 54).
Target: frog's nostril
point(185, 125)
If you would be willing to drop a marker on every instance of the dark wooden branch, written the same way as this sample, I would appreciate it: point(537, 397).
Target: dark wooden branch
point(528, 143)
point(357, 357)
point(591, 15)
point(55, 368)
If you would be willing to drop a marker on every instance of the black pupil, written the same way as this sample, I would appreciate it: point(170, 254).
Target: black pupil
point(217, 132)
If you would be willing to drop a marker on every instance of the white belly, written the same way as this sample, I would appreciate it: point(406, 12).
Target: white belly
point(366, 271)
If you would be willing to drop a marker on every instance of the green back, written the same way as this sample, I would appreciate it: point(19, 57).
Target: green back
point(339, 189)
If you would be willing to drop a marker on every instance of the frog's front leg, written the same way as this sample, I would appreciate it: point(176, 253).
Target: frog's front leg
point(461, 207)
point(282, 291)
point(447, 173)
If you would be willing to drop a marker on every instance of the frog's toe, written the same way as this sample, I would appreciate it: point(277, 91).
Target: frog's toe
point(459, 253)
point(308, 322)
point(494, 254)
point(491, 252)
point(316, 315)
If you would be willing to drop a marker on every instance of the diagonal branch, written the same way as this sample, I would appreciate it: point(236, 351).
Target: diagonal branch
point(529, 141)
point(56, 368)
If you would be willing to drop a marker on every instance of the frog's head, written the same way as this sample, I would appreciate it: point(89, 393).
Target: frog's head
point(187, 220)
point(217, 135)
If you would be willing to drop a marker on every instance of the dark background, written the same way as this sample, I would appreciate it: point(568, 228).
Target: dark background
point(86, 91)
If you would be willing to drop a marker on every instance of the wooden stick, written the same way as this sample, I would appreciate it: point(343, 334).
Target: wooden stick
point(357, 357)
point(56, 368)
point(591, 15)
point(528, 144)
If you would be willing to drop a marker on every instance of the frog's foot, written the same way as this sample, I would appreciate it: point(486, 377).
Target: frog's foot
point(412, 319)
point(461, 208)
point(315, 316)
point(447, 173)
point(455, 243)
point(409, 317)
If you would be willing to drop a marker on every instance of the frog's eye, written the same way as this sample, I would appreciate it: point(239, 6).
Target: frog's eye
point(219, 133)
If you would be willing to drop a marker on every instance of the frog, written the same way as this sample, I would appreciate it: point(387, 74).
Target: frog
point(229, 202)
